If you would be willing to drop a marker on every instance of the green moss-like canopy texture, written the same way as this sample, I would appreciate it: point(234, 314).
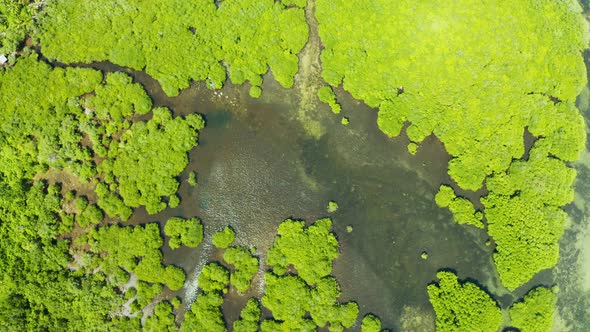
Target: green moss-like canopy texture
point(475, 74)
point(177, 41)
point(535, 311)
point(523, 214)
point(477, 97)
point(310, 250)
point(187, 232)
point(462, 306)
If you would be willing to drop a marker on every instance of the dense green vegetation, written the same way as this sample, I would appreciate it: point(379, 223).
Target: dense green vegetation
point(245, 267)
point(224, 238)
point(249, 317)
point(187, 232)
point(289, 298)
point(371, 323)
point(115, 101)
point(162, 319)
point(42, 103)
point(326, 95)
point(462, 306)
point(523, 214)
point(214, 277)
point(455, 86)
point(16, 22)
point(462, 209)
point(70, 121)
point(444, 81)
point(64, 268)
point(192, 179)
point(38, 291)
point(43, 287)
point(135, 249)
point(295, 304)
point(310, 250)
point(176, 41)
point(149, 156)
point(205, 314)
point(535, 311)
point(332, 207)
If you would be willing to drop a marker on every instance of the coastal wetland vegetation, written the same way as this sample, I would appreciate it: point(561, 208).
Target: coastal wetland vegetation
point(252, 165)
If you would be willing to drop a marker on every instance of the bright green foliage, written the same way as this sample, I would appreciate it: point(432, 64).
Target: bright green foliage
point(192, 179)
point(224, 238)
point(326, 95)
point(120, 277)
point(288, 297)
point(332, 207)
point(44, 123)
point(464, 213)
point(150, 155)
point(91, 215)
point(304, 325)
point(442, 69)
point(205, 314)
point(81, 202)
point(249, 317)
point(117, 100)
point(255, 92)
point(69, 195)
point(214, 277)
point(37, 291)
point(300, 3)
point(412, 148)
point(325, 309)
point(187, 232)
point(245, 267)
point(345, 121)
point(39, 112)
point(16, 21)
point(175, 302)
point(371, 323)
point(445, 196)
point(523, 214)
point(462, 307)
point(535, 312)
point(125, 245)
point(161, 320)
point(111, 203)
point(130, 292)
point(176, 41)
point(463, 210)
point(310, 250)
point(146, 293)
